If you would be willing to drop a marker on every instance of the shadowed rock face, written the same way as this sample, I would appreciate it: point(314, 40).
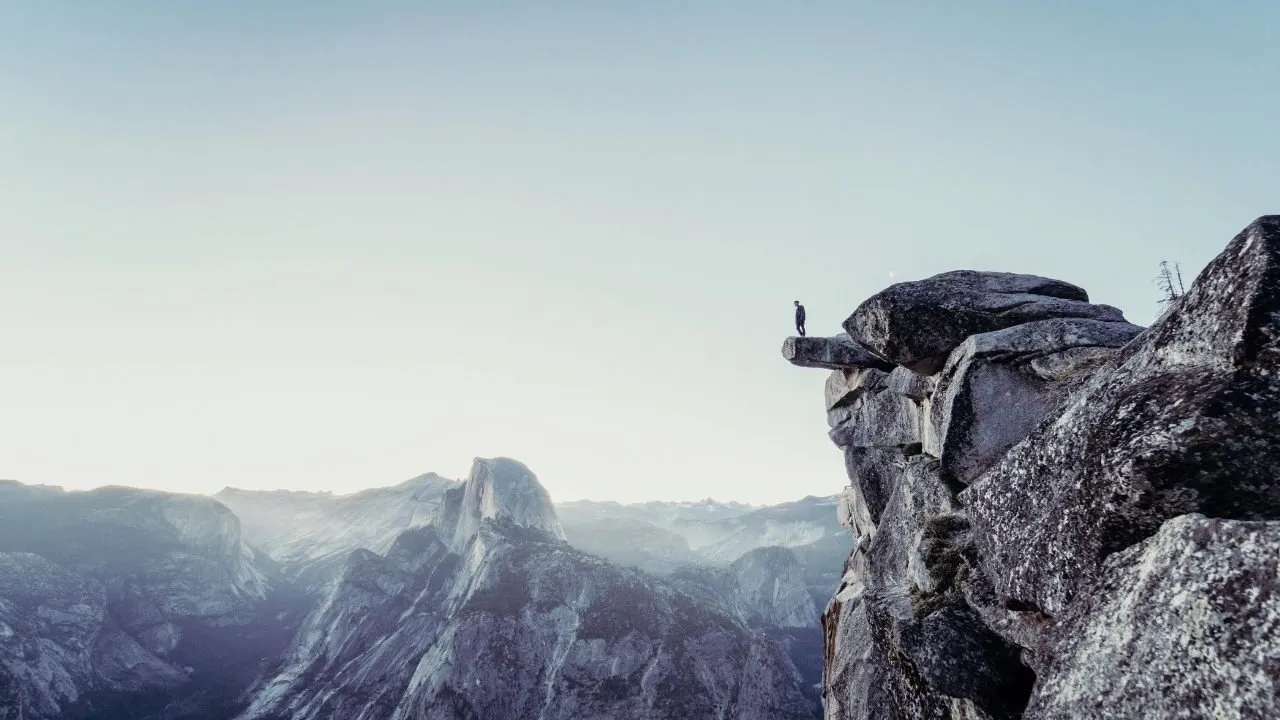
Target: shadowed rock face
point(855, 671)
point(118, 603)
point(1064, 516)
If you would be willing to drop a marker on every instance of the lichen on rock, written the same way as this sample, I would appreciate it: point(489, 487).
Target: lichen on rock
point(1185, 624)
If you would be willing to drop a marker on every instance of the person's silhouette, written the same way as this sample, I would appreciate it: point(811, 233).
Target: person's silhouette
point(799, 318)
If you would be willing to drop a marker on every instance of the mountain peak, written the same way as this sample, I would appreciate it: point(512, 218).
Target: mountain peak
point(503, 489)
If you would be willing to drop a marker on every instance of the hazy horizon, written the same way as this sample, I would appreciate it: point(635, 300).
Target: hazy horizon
point(288, 246)
point(460, 479)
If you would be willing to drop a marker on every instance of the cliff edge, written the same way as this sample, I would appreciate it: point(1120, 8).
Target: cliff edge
point(1058, 514)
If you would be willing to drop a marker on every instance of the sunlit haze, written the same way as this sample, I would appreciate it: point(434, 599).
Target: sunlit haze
point(333, 246)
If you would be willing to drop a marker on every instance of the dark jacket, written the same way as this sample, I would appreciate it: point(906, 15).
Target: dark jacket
point(799, 314)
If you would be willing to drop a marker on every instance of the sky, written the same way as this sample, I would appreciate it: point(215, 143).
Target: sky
point(333, 245)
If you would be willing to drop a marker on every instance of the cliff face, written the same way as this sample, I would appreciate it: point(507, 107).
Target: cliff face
point(1058, 514)
point(120, 602)
point(489, 613)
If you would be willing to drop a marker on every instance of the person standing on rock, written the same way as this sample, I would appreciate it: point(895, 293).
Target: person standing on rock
point(799, 318)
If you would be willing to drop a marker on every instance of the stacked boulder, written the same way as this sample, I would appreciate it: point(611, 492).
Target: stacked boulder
point(1058, 514)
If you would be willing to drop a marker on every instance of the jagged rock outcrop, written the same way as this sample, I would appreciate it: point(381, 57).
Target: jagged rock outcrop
point(492, 615)
point(918, 324)
point(118, 598)
point(997, 386)
point(1058, 514)
point(1185, 422)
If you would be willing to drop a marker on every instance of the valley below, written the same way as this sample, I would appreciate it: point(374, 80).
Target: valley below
point(435, 598)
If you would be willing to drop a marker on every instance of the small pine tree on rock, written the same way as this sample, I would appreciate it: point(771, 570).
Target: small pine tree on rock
point(1170, 282)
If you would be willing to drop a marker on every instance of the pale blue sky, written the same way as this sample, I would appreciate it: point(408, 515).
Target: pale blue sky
point(333, 245)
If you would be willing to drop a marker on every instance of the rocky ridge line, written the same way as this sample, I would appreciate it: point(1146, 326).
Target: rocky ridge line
point(490, 613)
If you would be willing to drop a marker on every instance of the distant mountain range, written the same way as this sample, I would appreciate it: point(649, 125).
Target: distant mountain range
point(433, 598)
point(662, 537)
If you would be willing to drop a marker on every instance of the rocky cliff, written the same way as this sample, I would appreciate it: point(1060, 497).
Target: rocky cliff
point(430, 599)
point(1058, 514)
point(122, 603)
point(488, 613)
